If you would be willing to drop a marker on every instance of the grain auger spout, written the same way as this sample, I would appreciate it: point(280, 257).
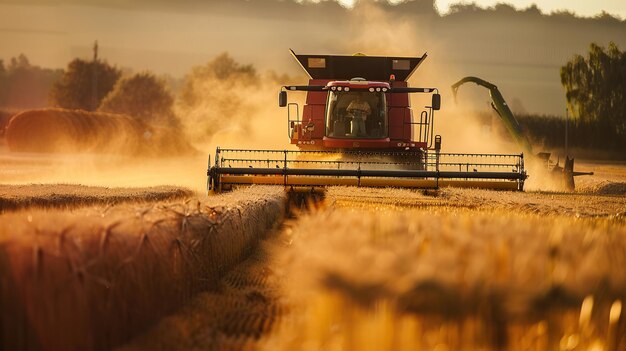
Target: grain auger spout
point(565, 175)
point(357, 128)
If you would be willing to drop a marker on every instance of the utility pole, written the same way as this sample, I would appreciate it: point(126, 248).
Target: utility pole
point(94, 81)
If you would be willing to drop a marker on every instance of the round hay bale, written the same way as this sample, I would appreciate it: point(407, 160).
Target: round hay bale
point(5, 117)
point(75, 131)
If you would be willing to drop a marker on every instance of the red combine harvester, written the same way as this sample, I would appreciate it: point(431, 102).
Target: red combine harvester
point(357, 128)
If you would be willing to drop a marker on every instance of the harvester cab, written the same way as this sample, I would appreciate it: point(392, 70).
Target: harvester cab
point(357, 128)
point(358, 103)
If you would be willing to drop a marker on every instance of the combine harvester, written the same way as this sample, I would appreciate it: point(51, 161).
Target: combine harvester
point(358, 129)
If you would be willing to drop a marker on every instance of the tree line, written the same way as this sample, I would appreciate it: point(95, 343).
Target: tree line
point(24, 85)
point(549, 132)
point(595, 90)
point(209, 95)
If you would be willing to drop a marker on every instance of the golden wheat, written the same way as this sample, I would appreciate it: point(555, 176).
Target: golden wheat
point(68, 196)
point(93, 278)
point(466, 270)
point(244, 307)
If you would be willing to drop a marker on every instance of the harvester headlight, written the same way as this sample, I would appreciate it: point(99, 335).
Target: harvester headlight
point(333, 88)
point(378, 90)
point(371, 90)
point(339, 88)
point(385, 90)
point(346, 89)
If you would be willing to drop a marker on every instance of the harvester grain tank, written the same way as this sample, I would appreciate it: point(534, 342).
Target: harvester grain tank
point(357, 128)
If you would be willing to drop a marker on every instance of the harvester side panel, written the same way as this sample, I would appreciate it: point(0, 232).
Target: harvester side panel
point(314, 114)
point(396, 123)
point(408, 131)
point(317, 97)
point(398, 100)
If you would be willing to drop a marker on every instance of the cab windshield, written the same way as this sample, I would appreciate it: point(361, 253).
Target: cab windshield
point(359, 114)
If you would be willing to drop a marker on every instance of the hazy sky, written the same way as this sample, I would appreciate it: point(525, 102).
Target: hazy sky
point(581, 7)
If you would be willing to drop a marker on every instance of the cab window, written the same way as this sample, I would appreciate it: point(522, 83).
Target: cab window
point(356, 114)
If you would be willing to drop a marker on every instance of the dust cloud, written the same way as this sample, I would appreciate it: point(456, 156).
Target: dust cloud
point(258, 122)
point(262, 124)
point(79, 147)
point(458, 124)
point(461, 123)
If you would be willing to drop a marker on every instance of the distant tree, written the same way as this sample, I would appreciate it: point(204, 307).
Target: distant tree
point(19, 62)
point(533, 10)
point(143, 96)
point(596, 89)
point(504, 9)
point(23, 85)
point(223, 94)
point(464, 8)
point(74, 90)
point(223, 68)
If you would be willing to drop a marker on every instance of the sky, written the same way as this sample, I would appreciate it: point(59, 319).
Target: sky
point(581, 7)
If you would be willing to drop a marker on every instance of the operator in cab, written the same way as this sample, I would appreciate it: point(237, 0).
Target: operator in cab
point(359, 110)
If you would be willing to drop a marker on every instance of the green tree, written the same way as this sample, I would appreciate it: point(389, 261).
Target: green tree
point(596, 90)
point(75, 89)
point(143, 96)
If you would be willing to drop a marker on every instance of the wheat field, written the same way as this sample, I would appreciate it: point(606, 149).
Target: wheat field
point(168, 268)
point(394, 269)
point(467, 270)
point(90, 278)
point(69, 196)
